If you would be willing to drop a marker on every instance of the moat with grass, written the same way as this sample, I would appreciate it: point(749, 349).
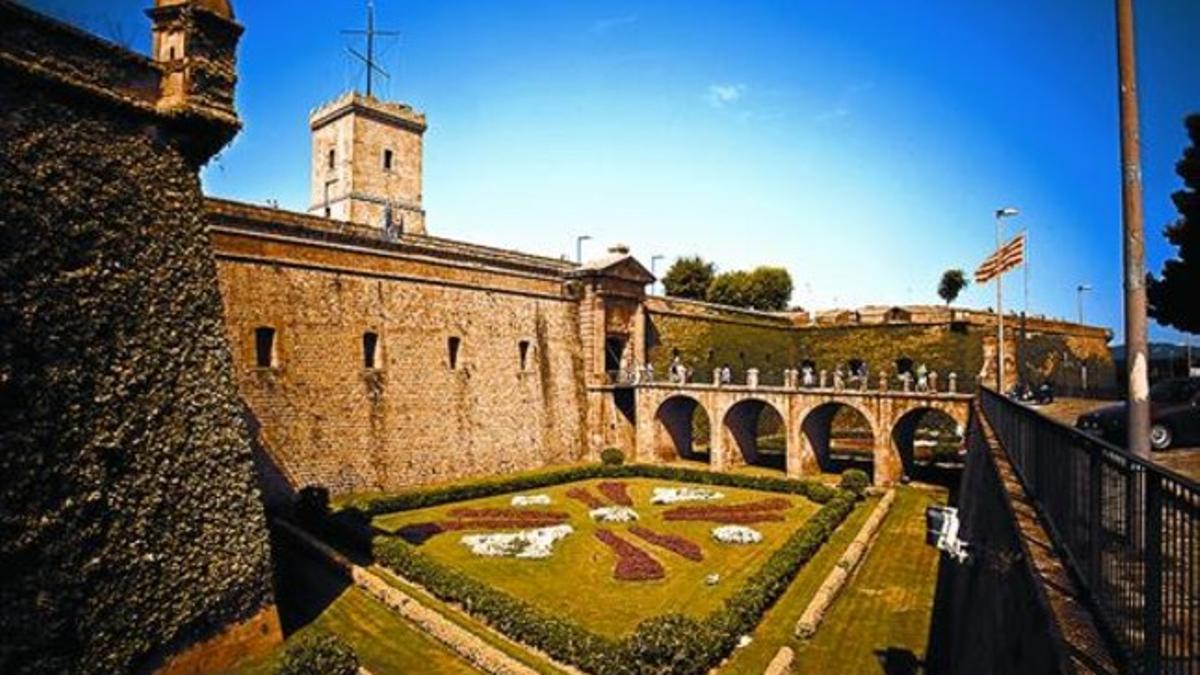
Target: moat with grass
point(607, 568)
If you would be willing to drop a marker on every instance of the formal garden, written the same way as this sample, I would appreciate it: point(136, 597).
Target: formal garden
point(608, 568)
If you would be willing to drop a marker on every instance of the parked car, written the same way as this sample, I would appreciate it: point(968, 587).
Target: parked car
point(1043, 394)
point(1174, 416)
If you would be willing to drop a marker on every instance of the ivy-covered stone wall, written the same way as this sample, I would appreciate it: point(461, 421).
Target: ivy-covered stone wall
point(132, 523)
point(713, 338)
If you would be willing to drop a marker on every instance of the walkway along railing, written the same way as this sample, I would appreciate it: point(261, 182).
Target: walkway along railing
point(1128, 528)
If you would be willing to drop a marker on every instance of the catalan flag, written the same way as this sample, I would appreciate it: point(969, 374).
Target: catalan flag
point(1004, 259)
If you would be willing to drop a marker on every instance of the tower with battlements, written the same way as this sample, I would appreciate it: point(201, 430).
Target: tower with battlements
point(366, 163)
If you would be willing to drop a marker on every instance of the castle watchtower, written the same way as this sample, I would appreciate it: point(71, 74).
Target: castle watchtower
point(195, 44)
point(366, 163)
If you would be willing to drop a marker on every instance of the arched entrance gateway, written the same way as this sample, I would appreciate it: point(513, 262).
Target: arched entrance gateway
point(840, 437)
point(682, 430)
point(755, 434)
point(925, 438)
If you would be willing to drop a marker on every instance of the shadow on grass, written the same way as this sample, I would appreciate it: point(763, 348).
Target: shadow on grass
point(304, 586)
point(898, 661)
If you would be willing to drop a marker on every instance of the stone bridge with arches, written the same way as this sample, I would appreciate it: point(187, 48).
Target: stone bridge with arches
point(665, 412)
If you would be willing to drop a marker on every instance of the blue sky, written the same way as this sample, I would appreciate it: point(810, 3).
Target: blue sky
point(863, 145)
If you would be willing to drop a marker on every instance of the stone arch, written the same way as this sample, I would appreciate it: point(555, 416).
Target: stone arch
point(681, 428)
point(922, 424)
point(744, 435)
point(818, 437)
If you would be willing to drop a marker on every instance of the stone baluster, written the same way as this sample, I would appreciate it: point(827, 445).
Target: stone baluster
point(824, 378)
point(952, 385)
point(883, 380)
point(752, 377)
point(906, 382)
point(933, 378)
point(716, 377)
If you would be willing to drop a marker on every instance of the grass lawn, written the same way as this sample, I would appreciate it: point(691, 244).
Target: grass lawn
point(880, 622)
point(577, 580)
point(385, 643)
point(777, 625)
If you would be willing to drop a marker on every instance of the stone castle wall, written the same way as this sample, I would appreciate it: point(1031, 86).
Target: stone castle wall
point(326, 419)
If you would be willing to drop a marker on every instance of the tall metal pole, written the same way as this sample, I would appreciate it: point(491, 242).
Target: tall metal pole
point(999, 314)
point(579, 247)
point(654, 270)
point(1136, 357)
point(370, 43)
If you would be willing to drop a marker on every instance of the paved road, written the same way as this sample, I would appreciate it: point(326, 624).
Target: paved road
point(1183, 460)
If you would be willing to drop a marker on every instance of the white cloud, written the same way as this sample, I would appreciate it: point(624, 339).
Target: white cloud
point(721, 95)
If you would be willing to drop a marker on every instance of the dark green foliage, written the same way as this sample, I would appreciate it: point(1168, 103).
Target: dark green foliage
point(132, 520)
point(730, 288)
point(689, 277)
point(855, 480)
point(672, 644)
point(667, 644)
point(763, 288)
point(318, 653)
point(1172, 298)
point(612, 457)
point(953, 282)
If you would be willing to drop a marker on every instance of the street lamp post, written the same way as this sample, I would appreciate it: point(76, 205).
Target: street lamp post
point(1136, 356)
point(1001, 214)
point(654, 269)
point(579, 247)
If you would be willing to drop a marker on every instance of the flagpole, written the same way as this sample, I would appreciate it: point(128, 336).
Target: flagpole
point(1001, 214)
point(999, 316)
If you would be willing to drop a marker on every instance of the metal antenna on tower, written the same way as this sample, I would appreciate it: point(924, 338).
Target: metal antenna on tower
point(371, 33)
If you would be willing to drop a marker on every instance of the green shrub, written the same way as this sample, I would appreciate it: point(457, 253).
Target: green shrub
point(855, 480)
point(312, 505)
point(318, 653)
point(612, 457)
point(672, 644)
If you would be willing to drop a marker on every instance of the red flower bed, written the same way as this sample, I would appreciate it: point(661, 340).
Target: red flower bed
point(504, 513)
point(729, 518)
point(633, 564)
point(616, 493)
point(761, 511)
point(684, 547)
point(496, 524)
point(585, 495)
point(419, 533)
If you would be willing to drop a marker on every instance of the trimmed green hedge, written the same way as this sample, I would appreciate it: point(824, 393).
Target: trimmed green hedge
point(666, 644)
point(318, 652)
point(420, 499)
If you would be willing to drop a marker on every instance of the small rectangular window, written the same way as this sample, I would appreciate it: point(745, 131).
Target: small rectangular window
point(387, 160)
point(370, 346)
point(523, 351)
point(264, 347)
point(332, 157)
point(453, 344)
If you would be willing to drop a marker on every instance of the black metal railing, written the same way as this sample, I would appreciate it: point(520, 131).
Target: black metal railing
point(1129, 529)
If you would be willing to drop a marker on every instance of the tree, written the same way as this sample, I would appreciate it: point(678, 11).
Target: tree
point(952, 283)
point(730, 288)
point(689, 277)
point(764, 288)
point(770, 288)
point(1172, 297)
